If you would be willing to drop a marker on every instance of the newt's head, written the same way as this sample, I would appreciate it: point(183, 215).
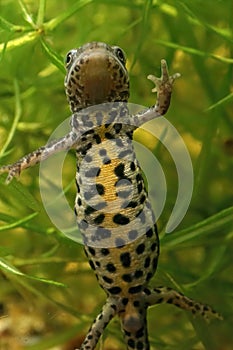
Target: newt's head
point(96, 73)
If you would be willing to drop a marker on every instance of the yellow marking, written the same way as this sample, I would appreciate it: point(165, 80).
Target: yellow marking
point(108, 179)
point(101, 130)
point(108, 222)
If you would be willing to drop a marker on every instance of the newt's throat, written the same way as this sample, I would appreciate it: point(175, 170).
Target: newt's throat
point(96, 79)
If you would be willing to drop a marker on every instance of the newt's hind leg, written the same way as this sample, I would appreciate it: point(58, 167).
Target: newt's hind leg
point(96, 330)
point(168, 295)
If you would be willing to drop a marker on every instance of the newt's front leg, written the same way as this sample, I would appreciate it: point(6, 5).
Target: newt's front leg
point(65, 143)
point(163, 87)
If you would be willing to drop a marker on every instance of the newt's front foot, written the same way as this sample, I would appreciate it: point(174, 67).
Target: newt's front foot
point(13, 170)
point(163, 87)
point(164, 84)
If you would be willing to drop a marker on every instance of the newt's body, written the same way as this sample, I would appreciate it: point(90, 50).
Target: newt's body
point(113, 211)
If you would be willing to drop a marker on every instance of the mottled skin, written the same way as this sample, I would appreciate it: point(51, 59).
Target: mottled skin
point(113, 211)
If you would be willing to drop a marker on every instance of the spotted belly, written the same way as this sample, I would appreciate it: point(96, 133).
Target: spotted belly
point(115, 217)
point(126, 270)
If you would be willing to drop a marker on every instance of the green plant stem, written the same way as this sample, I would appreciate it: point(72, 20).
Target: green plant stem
point(18, 111)
point(41, 12)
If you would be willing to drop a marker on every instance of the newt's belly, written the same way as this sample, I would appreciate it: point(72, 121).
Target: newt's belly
point(115, 217)
point(125, 270)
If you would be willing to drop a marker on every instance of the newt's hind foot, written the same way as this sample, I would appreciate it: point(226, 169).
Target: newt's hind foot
point(170, 296)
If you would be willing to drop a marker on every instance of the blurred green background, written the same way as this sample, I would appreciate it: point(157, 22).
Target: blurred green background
point(48, 294)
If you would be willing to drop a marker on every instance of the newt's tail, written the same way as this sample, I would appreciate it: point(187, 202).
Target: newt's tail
point(134, 326)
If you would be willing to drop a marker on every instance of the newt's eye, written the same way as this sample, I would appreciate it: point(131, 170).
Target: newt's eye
point(120, 54)
point(69, 57)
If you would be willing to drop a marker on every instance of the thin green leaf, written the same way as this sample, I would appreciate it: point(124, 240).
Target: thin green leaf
point(9, 27)
point(32, 227)
point(26, 14)
point(18, 42)
point(205, 227)
point(17, 116)
point(24, 195)
point(212, 266)
point(193, 51)
point(4, 46)
point(224, 100)
point(41, 12)
point(53, 23)
point(6, 266)
point(224, 33)
point(54, 57)
point(144, 26)
point(18, 223)
point(43, 294)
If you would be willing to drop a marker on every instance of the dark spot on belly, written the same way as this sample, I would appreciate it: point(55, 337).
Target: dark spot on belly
point(147, 262)
point(97, 138)
point(107, 279)
point(119, 170)
point(99, 219)
point(100, 189)
point(92, 264)
point(149, 275)
point(153, 247)
point(102, 152)
point(88, 158)
point(92, 172)
point(120, 219)
point(125, 259)
point(119, 242)
point(132, 166)
point(104, 251)
point(140, 187)
point(109, 136)
point(114, 290)
point(101, 233)
point(91, 251)
point(138, 273)
point(149, 233)
point(127, 277)
point(106, 160)
point(110, 267)
point(132, 204)
point(89, 210)
point(135, 289)
point(124, 153)
point(125, 301)
point(133, 234)
point(140, 248)
point(117, 127)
